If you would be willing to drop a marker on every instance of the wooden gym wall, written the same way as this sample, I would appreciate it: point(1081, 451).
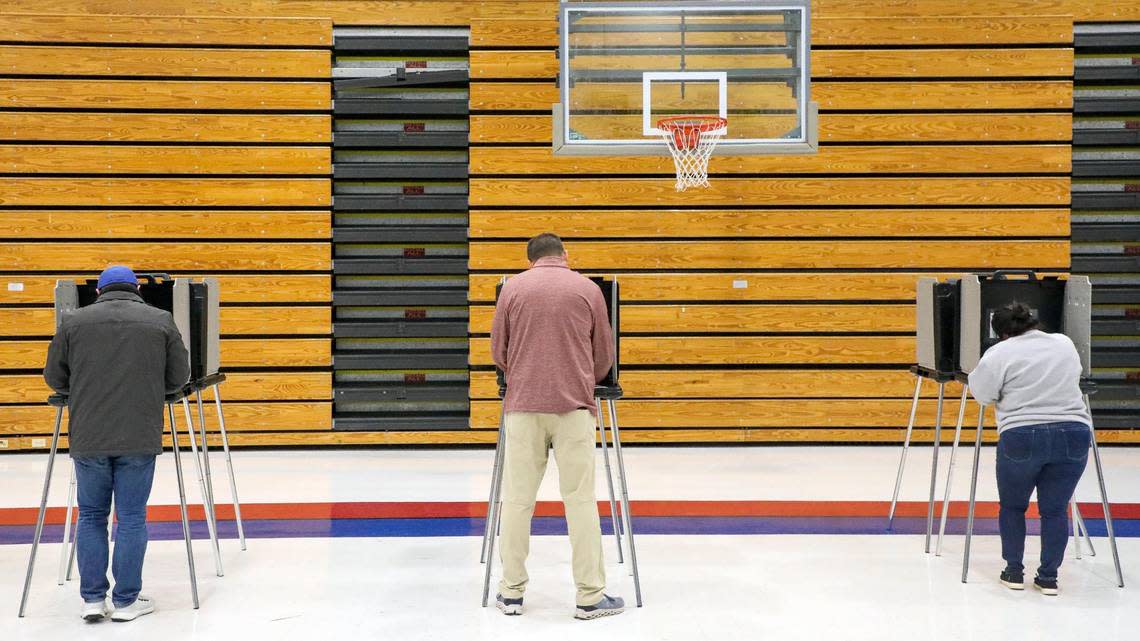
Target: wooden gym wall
point(194, 146)
point(945, 129)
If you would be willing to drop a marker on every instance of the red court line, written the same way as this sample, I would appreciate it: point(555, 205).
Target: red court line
point(477, 509)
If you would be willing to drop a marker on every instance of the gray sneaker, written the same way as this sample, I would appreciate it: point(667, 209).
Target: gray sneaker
point(608, 606)
point(509, 607)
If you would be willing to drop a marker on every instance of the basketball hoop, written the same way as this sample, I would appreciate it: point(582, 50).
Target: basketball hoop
point(691, 140)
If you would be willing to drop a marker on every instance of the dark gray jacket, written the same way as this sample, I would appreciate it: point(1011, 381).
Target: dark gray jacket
point(116, 359)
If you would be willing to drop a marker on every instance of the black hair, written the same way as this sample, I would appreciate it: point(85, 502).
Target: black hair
point(544, 245)
point(1013, 320)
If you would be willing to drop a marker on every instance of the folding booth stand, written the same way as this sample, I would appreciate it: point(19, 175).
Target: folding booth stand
point(195, 309)
point(606, 395)
point(1064, 306)
point(60, 402)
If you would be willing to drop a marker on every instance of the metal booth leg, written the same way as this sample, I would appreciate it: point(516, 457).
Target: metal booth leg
point(1076, 528)
point(494, 508)
point(206, 507)
point(609, 480)
point(206, 455)
point(493, 494)
point(626, 512)
point(934, 465)
point(950, 471)
point(43, 510)
point(973, 492)
point(182, 505)
point(906, 447)
point(1104, 504)
point(1082, 529)
point(229, 465)
point(65, 548)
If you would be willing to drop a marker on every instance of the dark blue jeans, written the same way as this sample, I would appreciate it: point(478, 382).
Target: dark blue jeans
point(129, 479)
point(1051, 458)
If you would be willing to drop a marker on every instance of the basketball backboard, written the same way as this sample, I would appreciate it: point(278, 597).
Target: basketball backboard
point(627, 65)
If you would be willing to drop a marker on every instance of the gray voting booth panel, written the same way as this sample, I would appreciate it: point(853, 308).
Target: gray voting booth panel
point(69, 297)
point(1065, 306)
point(924, 322)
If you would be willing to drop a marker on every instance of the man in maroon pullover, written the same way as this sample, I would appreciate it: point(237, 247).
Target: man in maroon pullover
point(551, 337)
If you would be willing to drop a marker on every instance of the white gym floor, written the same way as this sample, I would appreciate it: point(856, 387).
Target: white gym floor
point(757, 586)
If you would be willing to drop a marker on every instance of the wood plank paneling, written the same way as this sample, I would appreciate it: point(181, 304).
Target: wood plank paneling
point(840, 31)
point(135, 159)
point(652, 414)
point(24, 93)
point(753, 383)
point(118, 223)
point(743, 319)
point(164, 62)
point(942, 30)
point(807, 254)
point(827, 63)
point(176, 192)
point(774, 191)
point(77, 256)
point(933, 159)
point(987, 127)
point(170, 127)
point(238, 288)
point(68, 27)
point(38, 419)
point(40, 321)
point(235, 352)
point(741, 286)
point(750, 350)
point(770, 223)
point(238, 386)
point(847, 95)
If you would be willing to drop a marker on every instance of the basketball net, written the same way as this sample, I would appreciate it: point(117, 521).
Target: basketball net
point(691, 140)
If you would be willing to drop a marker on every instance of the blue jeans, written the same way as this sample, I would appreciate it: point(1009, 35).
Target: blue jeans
point(129, 478)
point(1051, 458)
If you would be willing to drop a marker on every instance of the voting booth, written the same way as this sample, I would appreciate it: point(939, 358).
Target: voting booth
point(195, 308)
point(606, 393)
point(953, 324)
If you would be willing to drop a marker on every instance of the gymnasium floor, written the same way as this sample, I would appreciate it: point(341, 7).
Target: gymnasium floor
point(734, 543)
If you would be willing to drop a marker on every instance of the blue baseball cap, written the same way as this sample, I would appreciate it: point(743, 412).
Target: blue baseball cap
point(117, 274)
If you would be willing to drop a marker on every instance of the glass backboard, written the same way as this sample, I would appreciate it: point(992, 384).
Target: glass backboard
point(627, 65)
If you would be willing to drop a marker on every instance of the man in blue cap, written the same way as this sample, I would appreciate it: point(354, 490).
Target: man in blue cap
point(116, 360)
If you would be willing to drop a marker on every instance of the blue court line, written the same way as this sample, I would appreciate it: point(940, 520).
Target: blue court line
point(545, 526)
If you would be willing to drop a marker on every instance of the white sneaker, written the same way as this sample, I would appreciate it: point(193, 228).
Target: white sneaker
point(95, 612)
point(142, 606)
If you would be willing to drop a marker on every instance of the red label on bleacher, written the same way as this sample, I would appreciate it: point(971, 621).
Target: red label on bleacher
point(415, 378)
point(415, 314)
point(1132, 313)
point(1132, 250)
point(413, 190)
point(416, 64)
point(414, 127)
point(414, 252)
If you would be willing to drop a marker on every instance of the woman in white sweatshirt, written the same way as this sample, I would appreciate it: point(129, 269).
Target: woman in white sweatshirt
point(1033, 380)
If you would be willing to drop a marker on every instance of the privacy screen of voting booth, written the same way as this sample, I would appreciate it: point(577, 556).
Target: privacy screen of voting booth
point(609, 287)
point(194, 306)
point(1060, 305)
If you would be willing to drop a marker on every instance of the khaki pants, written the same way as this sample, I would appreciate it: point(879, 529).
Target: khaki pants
point(529, 438)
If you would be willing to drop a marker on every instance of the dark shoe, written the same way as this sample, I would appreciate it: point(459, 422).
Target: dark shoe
point(608, 606)
point(509, 607)
point(1013, 579)
point(1048, 587)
